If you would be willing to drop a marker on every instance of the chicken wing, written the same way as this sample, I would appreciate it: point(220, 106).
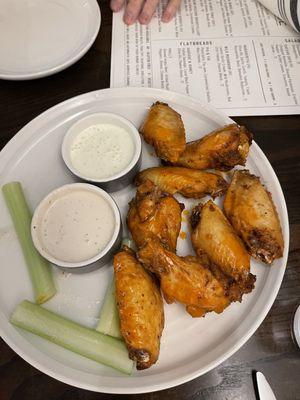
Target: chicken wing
point(250, 209)
point(213, 235)
point(140, 308)
point(188, 182)
point(164, 129)
point(153, 214)
point(184, 279)
point(221, 149)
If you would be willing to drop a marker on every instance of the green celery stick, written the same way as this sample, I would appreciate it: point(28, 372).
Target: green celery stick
point(129, 243)
point(39, 269)
point(109, 322)
point(72, 336)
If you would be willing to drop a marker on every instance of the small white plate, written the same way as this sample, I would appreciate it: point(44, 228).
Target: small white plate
point(190, 346)
point(41, 37)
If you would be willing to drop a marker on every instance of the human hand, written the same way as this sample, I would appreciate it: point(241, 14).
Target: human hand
point(143, 10)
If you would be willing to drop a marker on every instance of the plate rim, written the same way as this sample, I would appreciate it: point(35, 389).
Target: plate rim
point(172, 96)
point(67, 63)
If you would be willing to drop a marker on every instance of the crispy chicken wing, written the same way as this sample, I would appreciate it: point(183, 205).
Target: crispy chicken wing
point(140, 308)
point(153, 214)
point(213, 235)
point(221, 149)
point(233, 289)
point(184, 279)
point(163, 128)
point(188, 182)
point(250, 209)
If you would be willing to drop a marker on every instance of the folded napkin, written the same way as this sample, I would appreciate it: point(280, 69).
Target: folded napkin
point(287, 10)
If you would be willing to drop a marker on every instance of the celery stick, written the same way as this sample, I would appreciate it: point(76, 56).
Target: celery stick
point(129, 243)
point(72, 336)
point(109, 322)
point(39, 269)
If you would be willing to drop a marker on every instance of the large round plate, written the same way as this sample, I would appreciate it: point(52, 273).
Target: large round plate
point(40, 38)
point(190, 347)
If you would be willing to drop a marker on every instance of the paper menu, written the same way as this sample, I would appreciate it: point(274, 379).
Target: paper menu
point(287, 10)
point(233, 54)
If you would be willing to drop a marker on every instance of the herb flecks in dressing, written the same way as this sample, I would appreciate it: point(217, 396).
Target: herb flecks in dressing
point(101, 151)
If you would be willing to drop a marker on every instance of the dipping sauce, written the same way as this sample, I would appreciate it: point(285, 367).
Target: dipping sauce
point(75, 224)
point(102, 150)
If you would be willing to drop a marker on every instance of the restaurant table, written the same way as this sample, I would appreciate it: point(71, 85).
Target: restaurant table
point(271, 349)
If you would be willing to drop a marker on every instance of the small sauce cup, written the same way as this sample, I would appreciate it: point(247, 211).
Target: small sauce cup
point(77, 227)
point(104, 149)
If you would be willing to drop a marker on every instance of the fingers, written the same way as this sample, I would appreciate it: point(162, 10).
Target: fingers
point(170, 10)
point(116, 5)
point(143, 10)
point(132, 11)
point(148, 11)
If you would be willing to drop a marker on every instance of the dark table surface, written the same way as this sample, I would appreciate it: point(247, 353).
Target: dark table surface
point(271, 349)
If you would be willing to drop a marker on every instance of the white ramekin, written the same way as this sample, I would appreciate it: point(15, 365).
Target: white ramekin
point(90, 264)
point(119, 180)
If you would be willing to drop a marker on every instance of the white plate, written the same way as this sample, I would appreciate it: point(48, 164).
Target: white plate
point(41, 37)
point(190, 347)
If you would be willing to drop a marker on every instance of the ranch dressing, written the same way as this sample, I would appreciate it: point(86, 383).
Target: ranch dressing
point(102, 150)
point(76, 226)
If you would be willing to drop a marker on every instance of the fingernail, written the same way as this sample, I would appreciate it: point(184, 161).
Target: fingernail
point(128, 18)
point(166, 17)
point(144, 18)
point(115, 6)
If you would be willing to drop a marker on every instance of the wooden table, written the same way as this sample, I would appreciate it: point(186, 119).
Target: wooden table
point(271, 349)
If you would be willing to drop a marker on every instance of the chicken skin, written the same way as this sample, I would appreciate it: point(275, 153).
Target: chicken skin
point(140, 308)
point(188, 182)
point(251, 211)
point(213, 235)
point(154, 215)
point(164, 129)
point(184, 279)
point(221, 149)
